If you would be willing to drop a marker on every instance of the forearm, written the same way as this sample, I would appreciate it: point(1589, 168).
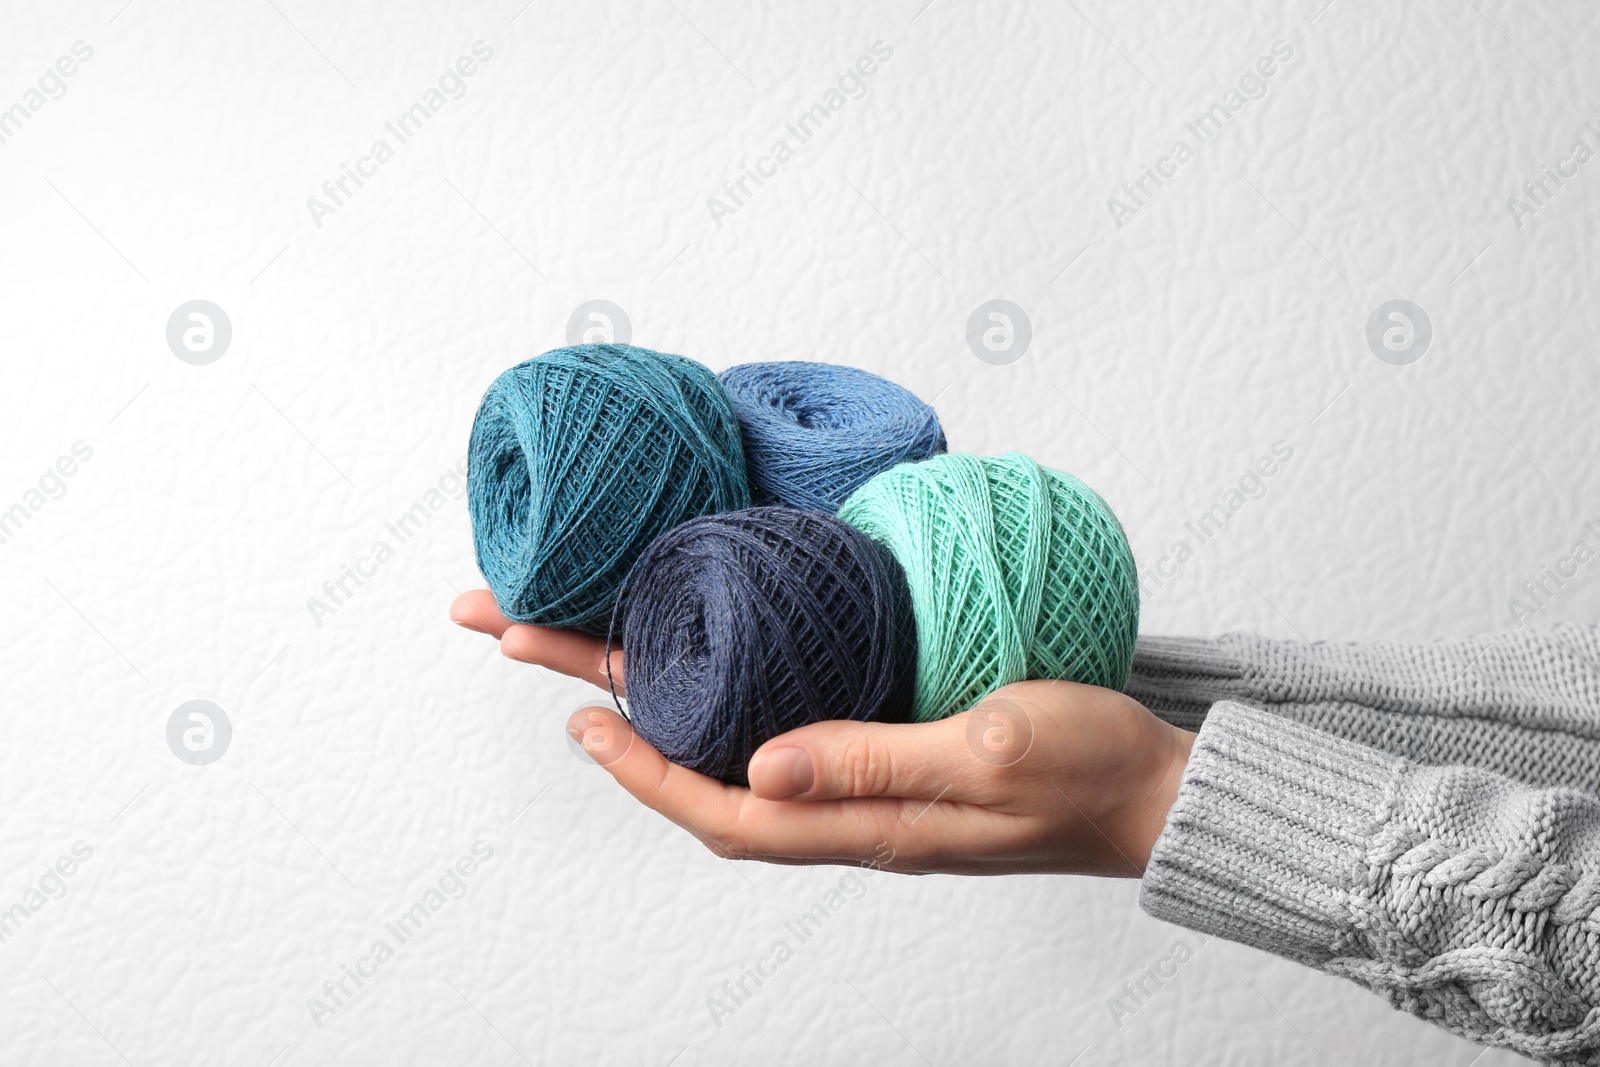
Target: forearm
point(1457, 894)
point(1522, 703)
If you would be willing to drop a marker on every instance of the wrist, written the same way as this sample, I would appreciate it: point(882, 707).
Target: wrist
point(1151, 815)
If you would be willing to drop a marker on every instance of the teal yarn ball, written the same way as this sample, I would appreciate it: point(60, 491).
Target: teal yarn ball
point(579, 458)
point(1015, 571)
point(815, 432)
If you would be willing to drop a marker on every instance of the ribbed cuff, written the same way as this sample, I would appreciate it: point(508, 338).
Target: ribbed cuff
point(1194, 658)
point(1268, 834)
point(1180, 678)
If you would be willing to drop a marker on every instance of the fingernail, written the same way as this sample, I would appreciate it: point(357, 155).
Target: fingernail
point(462, 617)
point(782, 772)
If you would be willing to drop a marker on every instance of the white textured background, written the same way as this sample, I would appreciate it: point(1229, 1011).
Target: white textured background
point(372, 750)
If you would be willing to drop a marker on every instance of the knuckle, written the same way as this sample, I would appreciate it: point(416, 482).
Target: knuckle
point(732, 838)
point(863, 768)
point(1014, 767)
point(728, 846)
point(1011, 782)
point(1000, 734)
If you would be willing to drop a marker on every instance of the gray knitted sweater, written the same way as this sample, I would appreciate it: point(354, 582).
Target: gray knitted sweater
point(1423, 820)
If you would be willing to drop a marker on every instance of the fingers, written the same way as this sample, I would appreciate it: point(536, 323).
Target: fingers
point(697, 803)
point(737, 824)
point(477, 611)
point(838, 759)
point(964, 758)
point(564, 651)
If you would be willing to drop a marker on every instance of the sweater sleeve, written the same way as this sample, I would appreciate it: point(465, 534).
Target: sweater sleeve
point(1457, 894)
point(1523, 703)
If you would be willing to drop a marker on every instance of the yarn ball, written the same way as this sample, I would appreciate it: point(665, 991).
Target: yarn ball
point(742, 626)
point(581, 457)
point(815, 432)
point(1015, 571)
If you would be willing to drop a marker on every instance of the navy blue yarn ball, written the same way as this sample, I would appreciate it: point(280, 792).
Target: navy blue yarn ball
point(815, 432)
point(742, 626)
point(579, 459)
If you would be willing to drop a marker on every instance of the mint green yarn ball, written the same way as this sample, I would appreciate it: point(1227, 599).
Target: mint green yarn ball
point(1016, 571)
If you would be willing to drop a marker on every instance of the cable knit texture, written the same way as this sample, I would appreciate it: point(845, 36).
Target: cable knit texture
point(1459, 894)
point(1524, 703)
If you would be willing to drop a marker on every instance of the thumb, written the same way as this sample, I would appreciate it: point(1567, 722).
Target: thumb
point(839, 758)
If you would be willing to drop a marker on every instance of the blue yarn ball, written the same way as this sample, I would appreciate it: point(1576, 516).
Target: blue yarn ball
point(815, 432)
point(743, 626)
point(580, 458)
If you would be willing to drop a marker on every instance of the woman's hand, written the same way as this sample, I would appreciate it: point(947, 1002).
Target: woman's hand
point(1041, 777)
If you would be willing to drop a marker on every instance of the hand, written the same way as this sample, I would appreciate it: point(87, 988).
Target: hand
point(1040, 777)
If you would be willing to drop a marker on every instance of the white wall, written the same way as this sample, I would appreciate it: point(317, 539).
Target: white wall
point(373, 746)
